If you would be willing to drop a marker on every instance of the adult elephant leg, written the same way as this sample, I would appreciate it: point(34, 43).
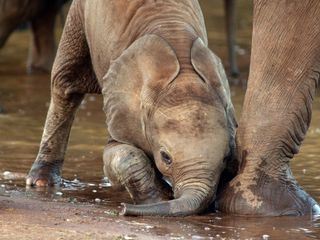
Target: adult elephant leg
point(72, 77)
point(42, 45)
point(129, 167)
point(10, 18)
point(5, 31)
point(285, 70)
point(231, 35)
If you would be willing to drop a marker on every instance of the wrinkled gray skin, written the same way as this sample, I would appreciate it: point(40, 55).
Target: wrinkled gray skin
point(41, 15)
point(284, 73)
point(166, 98)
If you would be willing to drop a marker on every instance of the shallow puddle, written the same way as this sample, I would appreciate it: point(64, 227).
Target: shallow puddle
point(25, 99)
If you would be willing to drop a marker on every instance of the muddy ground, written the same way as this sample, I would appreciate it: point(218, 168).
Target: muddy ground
point(23, 218)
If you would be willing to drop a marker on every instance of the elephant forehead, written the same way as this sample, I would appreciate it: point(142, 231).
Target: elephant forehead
point(190, 118)
point(188, 89)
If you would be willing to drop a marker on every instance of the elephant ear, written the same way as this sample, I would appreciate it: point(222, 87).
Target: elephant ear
point(211, 70)
point(132, 84)
point(209, 67)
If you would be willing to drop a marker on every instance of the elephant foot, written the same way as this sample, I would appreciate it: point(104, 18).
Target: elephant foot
point(44, 174)
point(266, 196)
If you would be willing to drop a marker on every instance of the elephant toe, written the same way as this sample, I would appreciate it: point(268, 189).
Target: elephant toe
point(43, 174)
point(43, 182)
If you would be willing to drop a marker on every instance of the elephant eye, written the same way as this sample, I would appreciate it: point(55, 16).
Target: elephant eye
point(165, 157)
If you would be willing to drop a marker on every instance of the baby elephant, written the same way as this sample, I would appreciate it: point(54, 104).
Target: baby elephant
point(166, 99)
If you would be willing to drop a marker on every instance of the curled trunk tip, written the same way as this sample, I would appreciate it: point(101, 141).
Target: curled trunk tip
point(191, 201)
point(129, 210)
point(156, 209)
point(182, 206)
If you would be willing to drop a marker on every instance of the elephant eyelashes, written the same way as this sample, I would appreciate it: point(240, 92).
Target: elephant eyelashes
point(165, 157)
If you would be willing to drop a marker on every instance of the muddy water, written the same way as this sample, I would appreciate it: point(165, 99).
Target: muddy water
point(25, 99)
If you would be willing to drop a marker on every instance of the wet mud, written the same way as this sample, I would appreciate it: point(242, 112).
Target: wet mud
point(86, 206)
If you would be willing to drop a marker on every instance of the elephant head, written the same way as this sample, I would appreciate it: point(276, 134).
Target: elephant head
point(183, 119)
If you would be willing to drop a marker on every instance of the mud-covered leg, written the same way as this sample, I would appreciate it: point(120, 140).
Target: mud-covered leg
point(284, 73)
point(72, 77)
point(129, 167)
point(46, 170)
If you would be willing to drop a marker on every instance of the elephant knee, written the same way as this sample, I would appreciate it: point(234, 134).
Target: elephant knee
point(128, 167)
point(63, 90)
point(123, 162)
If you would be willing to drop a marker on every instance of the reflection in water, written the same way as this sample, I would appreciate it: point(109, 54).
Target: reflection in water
point(25, 100)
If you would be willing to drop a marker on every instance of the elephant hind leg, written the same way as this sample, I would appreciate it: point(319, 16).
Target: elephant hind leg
point(42, 47)
point(4, 35)
point(129, 167)
point(231, 36)
point(72, 77)
point(6, 28)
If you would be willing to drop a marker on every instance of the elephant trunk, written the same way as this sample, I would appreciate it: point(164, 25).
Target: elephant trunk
point(191, 201)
